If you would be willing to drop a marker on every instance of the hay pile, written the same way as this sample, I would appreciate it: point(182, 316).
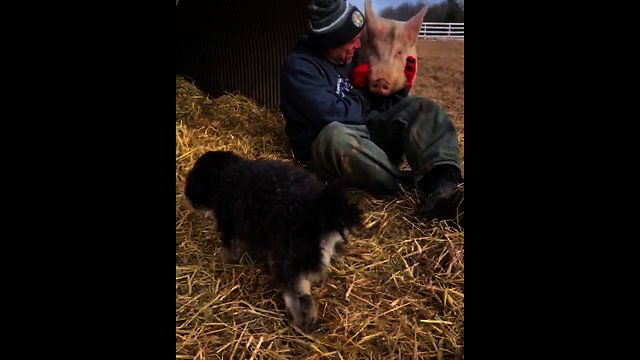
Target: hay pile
point(399, 292)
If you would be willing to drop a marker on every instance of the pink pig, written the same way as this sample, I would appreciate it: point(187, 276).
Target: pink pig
point(386, 44)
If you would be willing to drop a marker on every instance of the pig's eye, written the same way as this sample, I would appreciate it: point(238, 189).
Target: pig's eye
point(399, 52)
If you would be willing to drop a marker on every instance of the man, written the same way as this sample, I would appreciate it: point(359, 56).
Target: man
point(341, 132)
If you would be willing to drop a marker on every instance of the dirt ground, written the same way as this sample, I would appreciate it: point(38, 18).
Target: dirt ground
point(441, 75)
point(441, 78)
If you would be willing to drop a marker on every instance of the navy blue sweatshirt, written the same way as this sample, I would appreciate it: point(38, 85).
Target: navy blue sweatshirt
point(315, 92)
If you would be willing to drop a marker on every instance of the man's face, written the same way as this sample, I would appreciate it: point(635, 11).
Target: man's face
point(344, 54)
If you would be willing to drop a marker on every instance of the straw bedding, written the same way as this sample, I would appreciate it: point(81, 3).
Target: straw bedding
point(397, 294)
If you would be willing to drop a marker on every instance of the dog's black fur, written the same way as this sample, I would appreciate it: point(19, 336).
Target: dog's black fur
point(275, 208)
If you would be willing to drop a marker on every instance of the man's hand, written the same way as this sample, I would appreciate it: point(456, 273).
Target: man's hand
point(360, 76)
point(360, 73)
point(410, 71)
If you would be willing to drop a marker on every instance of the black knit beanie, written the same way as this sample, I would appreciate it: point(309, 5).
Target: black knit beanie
point(333, 23)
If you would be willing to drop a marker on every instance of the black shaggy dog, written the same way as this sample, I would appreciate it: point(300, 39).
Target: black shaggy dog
point(280, 210)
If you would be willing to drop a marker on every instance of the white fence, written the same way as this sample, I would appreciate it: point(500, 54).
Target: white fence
point(431, 30)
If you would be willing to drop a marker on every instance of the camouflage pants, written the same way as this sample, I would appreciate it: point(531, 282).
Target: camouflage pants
point(368, 156)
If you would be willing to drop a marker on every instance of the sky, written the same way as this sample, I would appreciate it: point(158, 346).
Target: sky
point(378, 5)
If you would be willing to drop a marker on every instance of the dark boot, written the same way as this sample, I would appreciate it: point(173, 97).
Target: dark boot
point(443, 188)
point(406, 180)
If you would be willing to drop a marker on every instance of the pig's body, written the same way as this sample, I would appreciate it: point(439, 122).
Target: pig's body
point(386, 44)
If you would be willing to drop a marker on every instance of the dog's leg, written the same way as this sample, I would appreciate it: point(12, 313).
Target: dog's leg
point(332, 246)
point(300, 305)
point(231, 252)
point(340, 248)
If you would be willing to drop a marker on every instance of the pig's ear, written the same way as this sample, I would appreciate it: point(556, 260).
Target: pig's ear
point(373, 22)
point(414, 24)
point(368, 11)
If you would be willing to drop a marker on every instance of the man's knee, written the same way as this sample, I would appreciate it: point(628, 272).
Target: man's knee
point(336, 136)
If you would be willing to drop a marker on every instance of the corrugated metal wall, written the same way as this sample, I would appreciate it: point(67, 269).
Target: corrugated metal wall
point(229, 45)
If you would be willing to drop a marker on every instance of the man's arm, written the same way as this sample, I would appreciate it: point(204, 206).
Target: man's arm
point(308, 88)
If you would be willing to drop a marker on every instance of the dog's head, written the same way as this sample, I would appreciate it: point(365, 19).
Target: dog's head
point(203, 178)
point(337, 211)
point(216, 160)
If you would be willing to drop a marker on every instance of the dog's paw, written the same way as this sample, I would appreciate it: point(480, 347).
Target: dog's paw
point(307, 314)
point(231, 255)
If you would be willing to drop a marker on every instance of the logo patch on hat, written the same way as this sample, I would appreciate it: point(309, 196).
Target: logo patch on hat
point(357, 18)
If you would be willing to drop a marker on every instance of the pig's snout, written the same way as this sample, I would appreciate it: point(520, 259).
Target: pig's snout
point(380, 86)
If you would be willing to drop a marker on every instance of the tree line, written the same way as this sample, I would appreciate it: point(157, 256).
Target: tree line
point(446, 11)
